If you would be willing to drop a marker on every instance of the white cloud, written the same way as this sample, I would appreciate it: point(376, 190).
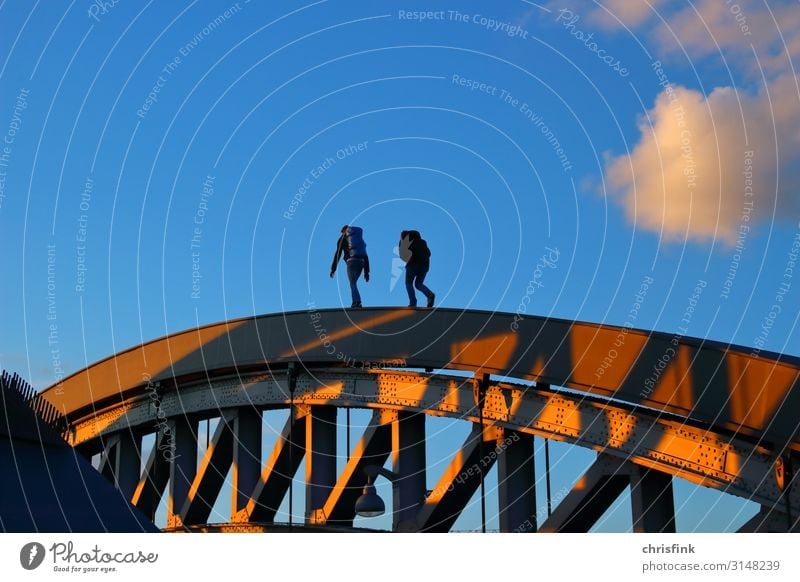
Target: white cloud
point(750, 34)
point(685, 177)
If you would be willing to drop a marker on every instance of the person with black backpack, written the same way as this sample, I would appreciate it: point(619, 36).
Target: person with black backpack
point(352, 248)
point(415, 252)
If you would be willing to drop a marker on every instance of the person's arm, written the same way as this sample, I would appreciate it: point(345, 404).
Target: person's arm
point(337, 255)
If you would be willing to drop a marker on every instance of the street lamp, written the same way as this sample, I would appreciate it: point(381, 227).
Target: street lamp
point(370, 504)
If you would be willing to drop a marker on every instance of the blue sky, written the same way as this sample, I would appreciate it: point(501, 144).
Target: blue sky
point(147, 144)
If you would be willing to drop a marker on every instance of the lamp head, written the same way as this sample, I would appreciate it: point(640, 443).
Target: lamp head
point(369, 504)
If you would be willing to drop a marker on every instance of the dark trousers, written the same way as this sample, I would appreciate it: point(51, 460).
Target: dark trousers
point(415, 277)
point(354, 270)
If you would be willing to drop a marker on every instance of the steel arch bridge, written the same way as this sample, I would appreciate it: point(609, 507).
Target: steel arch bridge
point(653, 406)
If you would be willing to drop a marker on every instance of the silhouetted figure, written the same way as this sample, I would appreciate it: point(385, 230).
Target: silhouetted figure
point(415, 252)
point(353, 249)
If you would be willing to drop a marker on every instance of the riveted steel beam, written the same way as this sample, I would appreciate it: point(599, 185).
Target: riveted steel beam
point(320, 460)
point(150, 489)
point(720, 385)
point(725, 461)
point(408, 462)
point(278, 472)
point(373, 448)
point(120, 461)
point(516, 486)
point(183, 466)
point(767, 520)
point(652, 501)
point(247, 430)
point(211, 473)
point(460, 481)
point(590, 497)
point(108, 456)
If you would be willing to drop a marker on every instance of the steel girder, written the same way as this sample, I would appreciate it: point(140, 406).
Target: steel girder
point(745, 390)
point(279, 470)
point(647, 438)
point(460, 481)
point(596, 490)
point(373, 448)
point(211, 472)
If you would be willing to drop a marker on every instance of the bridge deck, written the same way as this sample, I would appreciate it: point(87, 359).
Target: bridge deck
point(732, 387)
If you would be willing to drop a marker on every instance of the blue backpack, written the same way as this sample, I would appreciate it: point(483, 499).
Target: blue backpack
point(355, 242)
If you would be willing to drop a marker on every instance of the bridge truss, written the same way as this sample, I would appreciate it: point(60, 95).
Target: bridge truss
point(719, 416)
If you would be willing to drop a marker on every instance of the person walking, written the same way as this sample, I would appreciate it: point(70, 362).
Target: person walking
point(352, 248)
point(415, 252)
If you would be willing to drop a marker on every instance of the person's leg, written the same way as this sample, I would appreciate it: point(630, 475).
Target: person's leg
point(412, 296)
point(420, 284)
point(354, 268)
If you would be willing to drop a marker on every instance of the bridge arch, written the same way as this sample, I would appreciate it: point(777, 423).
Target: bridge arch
point(652, 405)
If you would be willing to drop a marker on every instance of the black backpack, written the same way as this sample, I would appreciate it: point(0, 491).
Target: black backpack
point(421, 247)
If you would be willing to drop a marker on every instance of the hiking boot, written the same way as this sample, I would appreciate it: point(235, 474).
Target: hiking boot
point(431, 299)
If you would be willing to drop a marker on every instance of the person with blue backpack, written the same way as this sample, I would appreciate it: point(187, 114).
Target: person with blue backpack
point(352, 248)
point(415, 252)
